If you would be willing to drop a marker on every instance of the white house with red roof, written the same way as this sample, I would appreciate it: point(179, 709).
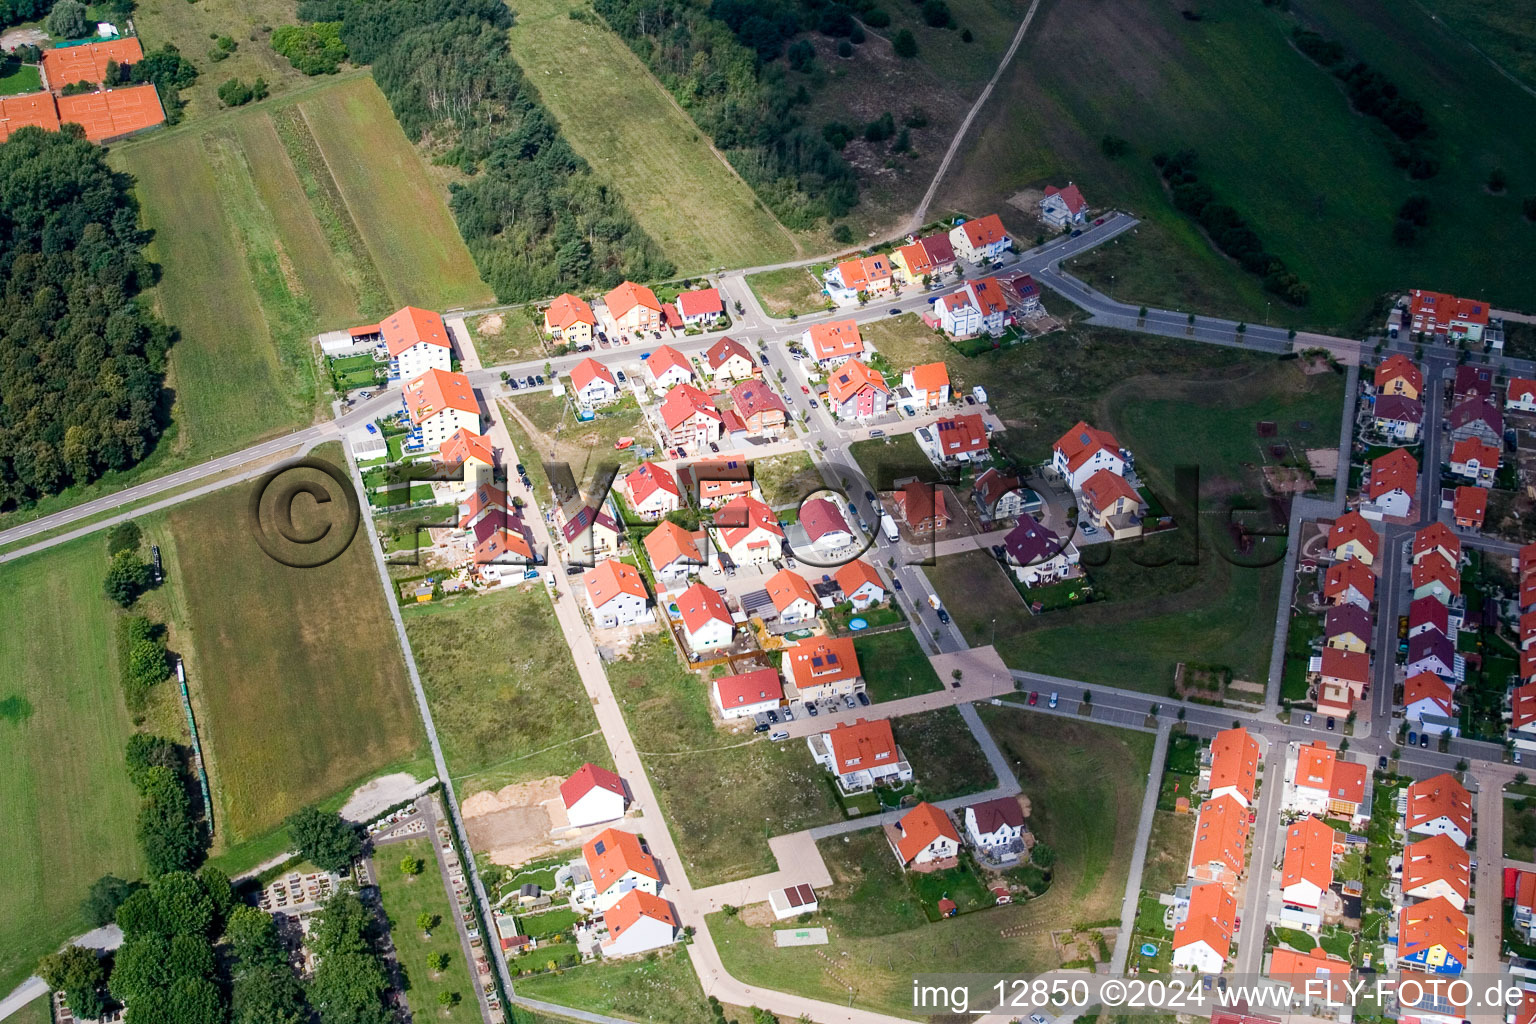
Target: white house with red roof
point(860, 583)
point(1202, 941)
point(928, 385)
point(638, 923)
point(1439, 806)
point(860, 754)
point(1475, 461)
point(1522, 722)
point(1319, 782)
point(1436, 866)
point(651, 491)
point(417, 342)
point(501, 550)
point(821, 667)
point(978, 307)
point(984, 238)
point(924, 839)
point(748, 531)
point(792, 597)
point(690, 417)
point(1427, 696)
point(729, 360)
point(593, 384)
point(955, 439)
point(674, 554)
point(469, 455)
point(439, 404)
point(1439, 313)
point(667, 367)
point(864, 277)
point(616, 595)
point(833, 343)
point(824, 525)
point(1083, 451)
point(717, 481)
point(1520, 396)
point(1306, 871)
point(706, 620)
point(748, 694)
point(701, 307)
point(484, 502)
point(856, 392)
point(995, 827)
point(1234, 766)
point(593, 795)
point(1063, 207)
point(617, 862)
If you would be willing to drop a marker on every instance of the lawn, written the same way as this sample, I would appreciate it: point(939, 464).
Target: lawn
point(884, 461)
point(16, 78)
point(506, 699)
point(793, 291)
point(299, 670)
point(723, 795)
point(894, 666)
point(405, 900)
point(273, 224)
point(1084, 782)
point(1500, 29)
point(1165, 82)
point(946, 759)
point(1168, 851)
point(1520, 829)
point(657, 987)
point(636, 138)
point(787, 479)
point(68, 807)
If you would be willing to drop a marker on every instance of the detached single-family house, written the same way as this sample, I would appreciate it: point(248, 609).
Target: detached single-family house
point(856, 392)
point(1525, 910)
point(792, 597)
point(634, 307)
point(470, 456)
point(852, 280)
point(1439, 313)
point(1349, 581)
point(1203, 940)
point(701, 307)
point(1434, 576)
point(1432, 937)
point(982, 239)
point(1326, 785)
point(673, 552)
point(833, 343)
point(1477, 417)
point(924, 839)
point(1307, 869)
point(922, 507)
point(439, 404)
point(749, 531)
point(1221, 841)
point(1348, 627)
point(748, 694)
point(667, 368)
point(979, 306)
point(761, 409)
point(1439, 806)
point(728, 360)
point(1469, 507)
point(928, 384)
point(1475, 461)
point(1316, 975)
point(1108, 502)
point(910, 263)
point(1083, 451)
point(860, 583)
point(824, 525)
point(706, 620)
point(1520, 396)
point(860, 755)
point(1234, 767)
point(589, 533)
point(1039, 557)
point(1063, 206)
point(821, 667)
point(616, 595)
point(1352, 536)
point(638, 923)
point(1398, 375)
point(997, 496)
point(593, 384)
point(569, 320)
point(690, 417)
point(955, 439)
point(417, 342)
point(996, 827)
point(1437, 868)
point(651, 491)
point(617, 862)
point(1427, 695)
point(592, 795)
point(1393, 482)
point(1436, 538)
point(1398, 417)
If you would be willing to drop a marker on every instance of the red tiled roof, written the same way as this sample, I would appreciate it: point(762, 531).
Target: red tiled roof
point(1398, 366)
point(587, 778)
point(664, 359)
point(820, 517)
point(1436, 536)
point(410, 326)
point(437, 390)
point(1437, 859)
point(786, 586)
point(930, 376)
point(698, 605)
point(627, 296)
point(1470, 505)
point(984, 231)
point(1352, 526)
point(611, 578)
point(1437, 797)
point(648, 478)
point(1523, 704)
point(738, 518)
point(1308, 853)
point(837, 338)
point(1350, 573)
point(862, 744)
point(851, 378)
point(669, 542)
point(1396, 470)
point(569, 309)
point(753, 687)
point(1351, 666)
point(823, 660)
point(1221, 834)
point(630, 908)
point(1210, 919)
point(1079, 444)
point(962, 435)
point(464, 444)
point(723, 350)
point(584, 372)
point(1428, 686)
point(700, 302)
point(1433, 568)
point(1069, 195)
point(613, 853)
point(922, 825)
point(1105, 487)
point(1235, 762)
point(940, 250)
point(683, 403)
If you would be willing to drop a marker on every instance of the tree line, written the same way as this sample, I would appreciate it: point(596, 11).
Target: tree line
point(82, 361)
point(742, 99)
point(534, 216)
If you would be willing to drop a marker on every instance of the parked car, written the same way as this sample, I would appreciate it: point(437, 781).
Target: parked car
point(530, 381)
point(656, 335)
point(760, 727)
point(1381, 762)
point(540, 379)
point(895, 311)
point(515, 384)
point(805, 389)
point(863, 698)
point(789, 714)
point(1034, 697)
point(619, 375)
point(810, 709)
point(896, 584)
point(773, 718)
point(872, 433)
point(1516, 756)
point(372, 429)
point(1306, 720)
point(944, 616)
point(763, 359)
point(998, 551)
point(1413, 739)
point(521, 470)
point(714, 447)
point(1330, 723)
point(848, 702)
point(1076, 232)
point(1089, 529)
point(970, 399)
point(1098, 222)
point(869, 496)
point(814, 405)
point(779, 734)
point(1423, 740)
point(1055, 697)
point(602, 342)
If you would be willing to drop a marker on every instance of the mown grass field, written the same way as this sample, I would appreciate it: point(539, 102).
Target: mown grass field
point(274, 223)
point(1502, 30)
point(1085, 784)
point(895, 666)
point(506, 699)
point(664, 988)
point(1313, 178)
point(407, 898)
point(299, 669)
point(65, 799)
point(628, 128)
point(793, 291)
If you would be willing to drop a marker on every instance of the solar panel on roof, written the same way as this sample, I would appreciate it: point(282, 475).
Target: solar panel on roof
point(816, 660)
point(831, 659)
point(598, 849)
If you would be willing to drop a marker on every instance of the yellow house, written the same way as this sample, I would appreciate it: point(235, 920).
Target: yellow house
point(1353, 537)
point(634, 307)
point(569, 319)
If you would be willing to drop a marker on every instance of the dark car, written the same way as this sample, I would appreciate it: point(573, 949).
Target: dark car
point(1413, 739)
point(955, 685)
point(869, 496)
point(814, 405)
point(1077, 232)
point(944, 616)
point(773, 718)
point(810, 709)
point(714, 447)
point(520, 470)
point(997, 550)
point(895, 311)
point(1423, 740)
point(1381, 763)
point(896, 584)
point(1330, 724)
point(540, 379)
point(657, 335)
point(863, 698)
point(760, 727)
point(530, 381)
point(515, 384)
point(763, 360)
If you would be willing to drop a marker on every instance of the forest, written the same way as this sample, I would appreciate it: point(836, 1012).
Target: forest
point(82, 362)
point(535, 218)
point(713, 59)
